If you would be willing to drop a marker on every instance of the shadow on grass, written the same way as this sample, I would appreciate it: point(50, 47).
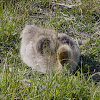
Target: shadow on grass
point(90, 67)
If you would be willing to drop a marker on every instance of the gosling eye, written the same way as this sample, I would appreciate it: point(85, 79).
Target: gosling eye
point(63, 40)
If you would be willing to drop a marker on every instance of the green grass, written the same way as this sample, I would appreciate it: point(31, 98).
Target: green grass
point(17, 82)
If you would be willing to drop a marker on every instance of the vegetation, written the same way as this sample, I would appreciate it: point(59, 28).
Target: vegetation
point(79, 19)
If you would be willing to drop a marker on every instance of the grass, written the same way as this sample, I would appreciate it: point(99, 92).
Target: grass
point(17, 82)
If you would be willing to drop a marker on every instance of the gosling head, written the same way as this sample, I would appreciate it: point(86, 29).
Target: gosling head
point(64, 54)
